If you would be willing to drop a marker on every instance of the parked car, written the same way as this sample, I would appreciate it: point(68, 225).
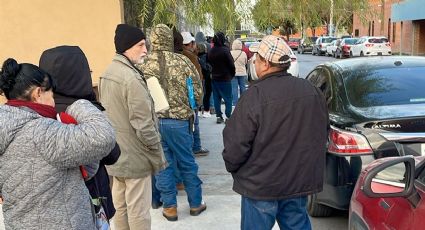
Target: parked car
point(369, 46)
point(376, 109)
point(331, 48)
point(306, 45)
point(344, 47)
point(294, 43)
point(390, 194)
point(252, 75)
point(319, 47)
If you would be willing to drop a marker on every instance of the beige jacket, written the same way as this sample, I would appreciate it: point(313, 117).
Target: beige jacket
point(240, 58)
point(129, 106)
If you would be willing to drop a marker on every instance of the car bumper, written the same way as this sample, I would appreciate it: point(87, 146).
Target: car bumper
point(378, 53)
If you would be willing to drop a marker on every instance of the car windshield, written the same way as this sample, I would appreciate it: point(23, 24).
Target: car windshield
point(378, 40)
point(351, 41)
point(370, 87)
point(328, 40)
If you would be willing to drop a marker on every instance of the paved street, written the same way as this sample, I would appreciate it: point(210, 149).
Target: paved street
point(223, 210)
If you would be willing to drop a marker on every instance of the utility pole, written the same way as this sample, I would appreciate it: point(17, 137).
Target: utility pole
point(331, 16)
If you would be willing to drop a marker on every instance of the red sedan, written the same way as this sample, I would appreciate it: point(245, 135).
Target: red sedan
point(294, 43)
point(390, 194)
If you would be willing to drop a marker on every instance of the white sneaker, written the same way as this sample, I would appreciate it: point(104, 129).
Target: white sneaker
point(199, 113)
point(206, 114)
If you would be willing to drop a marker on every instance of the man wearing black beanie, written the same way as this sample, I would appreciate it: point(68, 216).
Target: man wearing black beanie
point(129, 106)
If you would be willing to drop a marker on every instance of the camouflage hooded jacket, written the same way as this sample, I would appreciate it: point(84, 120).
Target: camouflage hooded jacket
point(172, 70)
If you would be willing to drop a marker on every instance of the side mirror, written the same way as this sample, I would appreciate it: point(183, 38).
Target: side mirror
point(390, 177)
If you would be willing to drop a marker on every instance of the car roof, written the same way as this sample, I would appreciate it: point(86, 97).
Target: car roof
point(376, 63)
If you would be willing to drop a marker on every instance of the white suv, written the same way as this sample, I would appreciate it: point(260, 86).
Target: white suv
point(369, 46)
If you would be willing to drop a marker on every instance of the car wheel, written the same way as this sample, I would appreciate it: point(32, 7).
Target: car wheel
point(351, 54)
point(315, 209)
point(298, 51)
point(361, 54)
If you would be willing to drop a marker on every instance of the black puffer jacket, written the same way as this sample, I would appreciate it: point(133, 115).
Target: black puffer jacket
point(69, 67)
point(275, 140)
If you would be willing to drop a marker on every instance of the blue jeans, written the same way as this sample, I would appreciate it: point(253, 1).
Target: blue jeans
point(289, 214)
point(177, 141)
point(222, 90)
point(196, 135)
point(238, 82)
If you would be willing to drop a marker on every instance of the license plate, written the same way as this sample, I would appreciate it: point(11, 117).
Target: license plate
point(380, 53)
point(422, 149)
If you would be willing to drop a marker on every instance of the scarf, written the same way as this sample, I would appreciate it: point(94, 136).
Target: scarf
point(44, 110)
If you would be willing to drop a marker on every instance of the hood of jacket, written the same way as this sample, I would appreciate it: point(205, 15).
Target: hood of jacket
point(69, 67)
point(237, 45)
point(12, 119)
point(161, 38)
point(200, 38)
point(219, 39)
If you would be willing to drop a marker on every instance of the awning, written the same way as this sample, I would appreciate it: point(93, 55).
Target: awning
point(408, 10)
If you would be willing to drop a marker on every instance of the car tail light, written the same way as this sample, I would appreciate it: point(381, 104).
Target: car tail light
point(320, 46)
point(347, 143)
point(293, 59)
point(368, 45)
point(388, 44)
point(346, 48)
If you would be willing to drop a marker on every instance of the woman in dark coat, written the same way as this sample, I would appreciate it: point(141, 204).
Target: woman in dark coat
point(69, 67)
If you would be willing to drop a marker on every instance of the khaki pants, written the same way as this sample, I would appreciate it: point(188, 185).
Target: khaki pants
point(132, 200)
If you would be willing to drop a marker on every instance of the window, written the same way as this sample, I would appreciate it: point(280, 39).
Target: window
point(370, 25)
point(321, 79)
point(389, 28)
point(356, 33)
point(394, 30)
point(371, 87)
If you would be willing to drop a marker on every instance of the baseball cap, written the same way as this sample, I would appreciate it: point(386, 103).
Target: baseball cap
point(274, 49)
point(187, 38)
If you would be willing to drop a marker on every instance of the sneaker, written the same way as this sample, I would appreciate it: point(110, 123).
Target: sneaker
point(201, 152)
point(206, 114)
point(220, 120)
point(199, 114)
point(170, 213)
point(198, 210)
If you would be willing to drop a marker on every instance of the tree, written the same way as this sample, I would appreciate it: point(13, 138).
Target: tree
point(146, 13)
point(307, 13)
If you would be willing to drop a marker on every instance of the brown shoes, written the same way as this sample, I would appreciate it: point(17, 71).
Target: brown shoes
point(170, 213)
point(198, 210)
point(180, 186)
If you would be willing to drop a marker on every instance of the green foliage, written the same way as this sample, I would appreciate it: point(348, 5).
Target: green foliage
point(307, 13)
point(146, 13)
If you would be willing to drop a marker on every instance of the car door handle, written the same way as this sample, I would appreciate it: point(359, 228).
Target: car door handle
point(384, 204)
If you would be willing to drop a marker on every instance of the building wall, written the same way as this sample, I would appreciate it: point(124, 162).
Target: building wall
point(404, 41)
point(31, 26)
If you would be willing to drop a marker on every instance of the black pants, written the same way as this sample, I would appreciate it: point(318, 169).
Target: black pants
point(207, 92)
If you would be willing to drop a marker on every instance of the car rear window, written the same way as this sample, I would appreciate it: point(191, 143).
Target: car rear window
point(368, 87)
point(351, 41)
point(378, 40)
point(294, 39)
point(328, 40)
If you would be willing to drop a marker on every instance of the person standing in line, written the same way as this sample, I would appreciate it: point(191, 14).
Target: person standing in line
point(189, 50)
point(124, 94)
point(40, 180)
point(241, 60)
point(70, 69)
point(203, 48)
point(223, 70)
point(266, 154)
point(176, 124)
